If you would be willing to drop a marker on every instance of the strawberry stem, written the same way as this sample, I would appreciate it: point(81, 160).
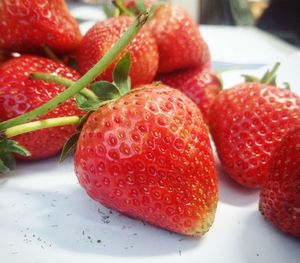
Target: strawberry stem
point(85, 80)
point(123, 9)
point(63, 81)
point(38, 125)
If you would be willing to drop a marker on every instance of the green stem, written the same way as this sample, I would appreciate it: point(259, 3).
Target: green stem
point(63, 81)
point(38, 125)
point(85, 80)
point(119, 4)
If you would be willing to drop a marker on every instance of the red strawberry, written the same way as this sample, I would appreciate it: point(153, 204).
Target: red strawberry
point(28, 25)
point(280, 196)
point(19, 94)
point(100, 38)
point(201, 86)
point(131, 4)
point(148, 155)
point(247, 122)
point(179, 41)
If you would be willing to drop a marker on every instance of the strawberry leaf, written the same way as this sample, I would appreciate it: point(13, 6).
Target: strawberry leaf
point(249, 78)
point(7, 149)
point(69, 147)
point(120, 74)
point(106, 90)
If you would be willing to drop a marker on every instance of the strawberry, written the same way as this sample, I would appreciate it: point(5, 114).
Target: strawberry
point(131, 4)
point(20, 94)
point(29, 25)
point(148, 155)
point(247, 122)
point(201, 86)
point(280, 195)
point(100, 38)
point(178, 38)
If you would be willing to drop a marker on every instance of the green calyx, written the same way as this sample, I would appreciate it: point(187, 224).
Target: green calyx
point(7, 150)
point(268, 78)
point(106, 92)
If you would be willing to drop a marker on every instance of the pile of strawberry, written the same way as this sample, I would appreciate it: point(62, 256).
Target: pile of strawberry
point(142, 147)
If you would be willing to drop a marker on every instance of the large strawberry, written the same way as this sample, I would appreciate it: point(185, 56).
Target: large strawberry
point(280, 196)
point(201, 86)
point(100, 38)
point(29, 25)
point(247, 122)
point(148, 155)
point(20, 94)
point(179, 41)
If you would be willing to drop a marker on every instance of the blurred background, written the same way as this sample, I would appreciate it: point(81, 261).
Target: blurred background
point(279, 17)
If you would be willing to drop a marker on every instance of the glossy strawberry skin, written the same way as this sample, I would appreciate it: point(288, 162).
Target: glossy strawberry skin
point(19, 94)
point(28, 25)
point(132, 3)
point(178, 38)
point(280, 196)
point(102, 36)
point(247, 122)
point(200, 85)
point(148, 155)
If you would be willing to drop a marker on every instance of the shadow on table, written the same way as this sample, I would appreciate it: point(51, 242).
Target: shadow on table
point(70, 220)
point(261, 242)
point(232, 193)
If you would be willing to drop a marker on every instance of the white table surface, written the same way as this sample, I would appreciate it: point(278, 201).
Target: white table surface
point(45, 216)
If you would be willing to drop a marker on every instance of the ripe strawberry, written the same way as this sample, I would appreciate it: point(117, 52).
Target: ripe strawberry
point(201, 86)
point(28, 25)
point(179, 41)
point(20, 94)
point(148, 155)
point(280, 196)
point(100, 38)
point(247, 122)
point(131, 4)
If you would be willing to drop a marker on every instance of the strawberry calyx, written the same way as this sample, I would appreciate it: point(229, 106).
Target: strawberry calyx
point(7, 150)
point(268, 78)
point(106, 92)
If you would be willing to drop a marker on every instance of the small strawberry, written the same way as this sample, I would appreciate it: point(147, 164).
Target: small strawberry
point(201, 86)
point(247, 122)
point(280, 196)
point(29, 25)
point(20, 94)
point(100, 38)
point(178, 38)
point(148, 155)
